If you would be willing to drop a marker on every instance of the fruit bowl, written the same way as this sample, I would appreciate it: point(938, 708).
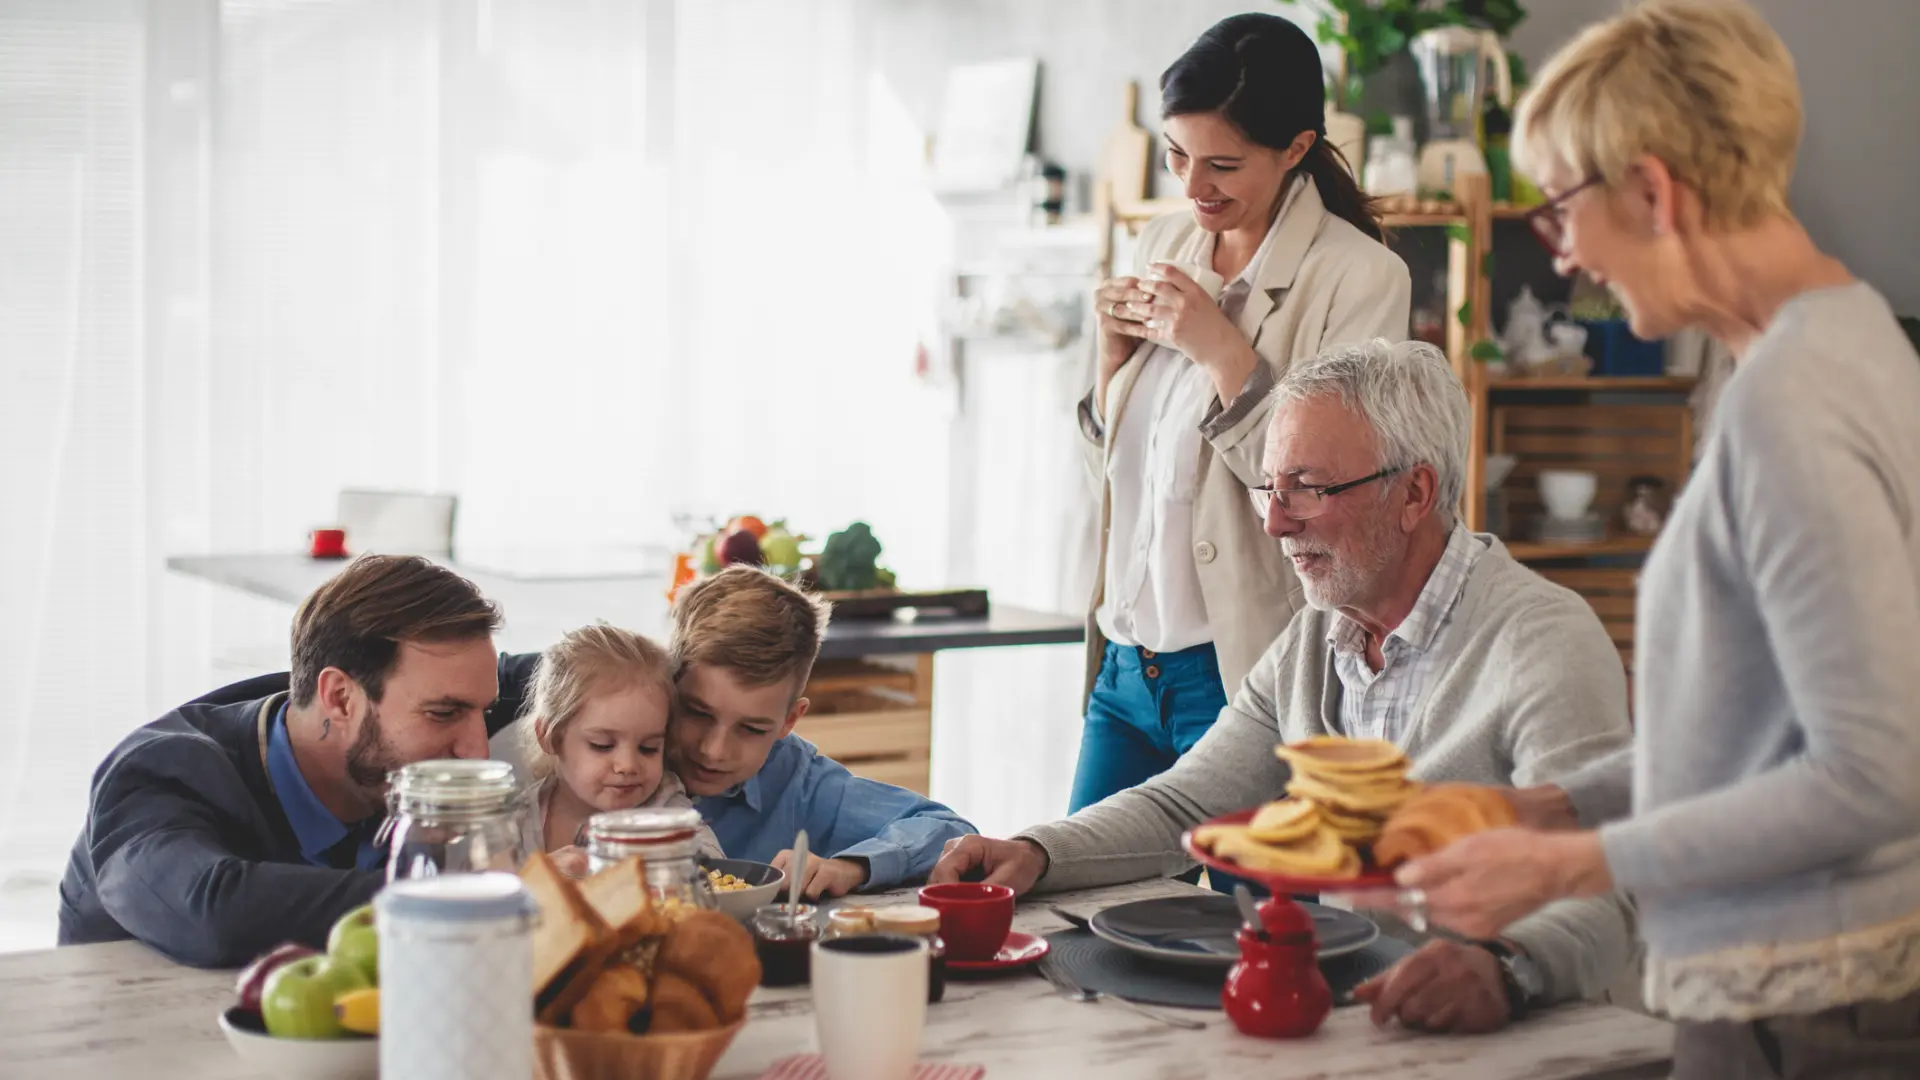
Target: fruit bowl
point(355, 1057)
point(763, 886)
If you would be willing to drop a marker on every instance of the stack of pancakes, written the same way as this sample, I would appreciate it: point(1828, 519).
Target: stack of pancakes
point(1355, 784)
point(1342, 792)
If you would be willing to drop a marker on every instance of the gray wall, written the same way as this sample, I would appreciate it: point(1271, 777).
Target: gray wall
point(1859, 66)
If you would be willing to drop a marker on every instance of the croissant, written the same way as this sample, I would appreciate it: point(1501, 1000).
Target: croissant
point(714, 954)
point(679, 1005)
point(1437, 816)
point(616, 994)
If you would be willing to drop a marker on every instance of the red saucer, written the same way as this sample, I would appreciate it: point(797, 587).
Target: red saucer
point(1018, 951)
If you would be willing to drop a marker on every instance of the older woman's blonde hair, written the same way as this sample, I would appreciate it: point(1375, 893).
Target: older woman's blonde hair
point(1705, 86)
point(597, 659)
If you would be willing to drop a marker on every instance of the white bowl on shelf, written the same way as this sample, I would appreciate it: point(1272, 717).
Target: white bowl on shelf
point(1568, 493)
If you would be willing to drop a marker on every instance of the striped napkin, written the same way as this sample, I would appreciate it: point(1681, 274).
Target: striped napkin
point(814, 1067)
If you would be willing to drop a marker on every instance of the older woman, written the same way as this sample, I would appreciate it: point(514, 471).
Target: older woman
point(1773, 834)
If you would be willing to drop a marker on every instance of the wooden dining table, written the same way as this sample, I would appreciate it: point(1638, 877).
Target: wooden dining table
point(121, 1009)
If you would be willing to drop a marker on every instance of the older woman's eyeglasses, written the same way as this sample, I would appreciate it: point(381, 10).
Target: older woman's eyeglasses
point(1549, 220)
point(1302, 503)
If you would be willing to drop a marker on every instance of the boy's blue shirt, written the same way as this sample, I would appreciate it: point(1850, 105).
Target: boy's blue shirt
point(898, 833)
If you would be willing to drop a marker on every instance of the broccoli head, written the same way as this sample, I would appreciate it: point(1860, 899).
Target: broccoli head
point(850, 560)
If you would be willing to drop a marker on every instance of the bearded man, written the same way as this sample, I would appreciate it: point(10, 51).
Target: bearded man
point(246, 818)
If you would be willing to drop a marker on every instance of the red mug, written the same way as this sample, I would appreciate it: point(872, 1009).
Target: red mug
point(327, 543)
point(975, 917)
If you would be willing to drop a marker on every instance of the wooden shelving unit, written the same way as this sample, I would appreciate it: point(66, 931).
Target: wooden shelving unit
point(1681, 383)
point(1531, 551)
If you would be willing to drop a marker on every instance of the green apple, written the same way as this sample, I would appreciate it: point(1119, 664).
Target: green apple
point(354, 940)
point(298, 1000)
point(781, 548)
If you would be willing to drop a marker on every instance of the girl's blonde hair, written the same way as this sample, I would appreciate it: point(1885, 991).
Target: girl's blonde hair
point(593, 659)
point(1705, 86)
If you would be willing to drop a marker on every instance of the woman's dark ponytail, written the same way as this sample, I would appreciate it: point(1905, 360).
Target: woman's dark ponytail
point(1333, 175)
point(1263, 74)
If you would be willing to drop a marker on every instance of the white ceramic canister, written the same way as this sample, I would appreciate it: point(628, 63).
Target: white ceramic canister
point(456, 977)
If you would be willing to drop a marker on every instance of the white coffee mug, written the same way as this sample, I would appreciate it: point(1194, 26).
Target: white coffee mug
point(1202, 276)
point(869, 1004)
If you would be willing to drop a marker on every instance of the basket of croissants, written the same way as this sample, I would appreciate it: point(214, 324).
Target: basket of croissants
point(627, 987)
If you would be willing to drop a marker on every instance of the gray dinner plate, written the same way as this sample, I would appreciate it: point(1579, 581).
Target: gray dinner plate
point(1200, 929)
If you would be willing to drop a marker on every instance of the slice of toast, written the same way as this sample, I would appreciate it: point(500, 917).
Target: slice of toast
point(570, 943)
point(619, 897)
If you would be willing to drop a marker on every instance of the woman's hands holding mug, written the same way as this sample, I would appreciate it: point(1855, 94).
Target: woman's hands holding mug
point(1175, 310)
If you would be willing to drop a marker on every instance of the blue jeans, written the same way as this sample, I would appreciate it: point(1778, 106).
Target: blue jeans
point(1145, 711)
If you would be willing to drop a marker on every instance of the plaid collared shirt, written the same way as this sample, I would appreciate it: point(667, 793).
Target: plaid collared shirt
point(1376, 704)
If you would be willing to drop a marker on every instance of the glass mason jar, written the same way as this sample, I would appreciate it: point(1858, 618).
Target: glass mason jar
point(848, 920)
point(667, 839)
point(454, 817)
point(783, 937)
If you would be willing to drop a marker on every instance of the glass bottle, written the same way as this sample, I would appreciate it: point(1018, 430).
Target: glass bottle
point(667, 839)
point(783, 937)
point(454, 817)
point(923, 923)
point(1645, 511)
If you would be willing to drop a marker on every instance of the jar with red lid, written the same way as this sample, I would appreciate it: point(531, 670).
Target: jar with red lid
point(667, 839)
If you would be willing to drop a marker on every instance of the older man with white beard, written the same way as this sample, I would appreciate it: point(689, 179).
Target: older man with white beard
point(1418, 632)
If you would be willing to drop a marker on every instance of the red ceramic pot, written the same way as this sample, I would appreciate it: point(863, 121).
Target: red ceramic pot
point(1276, 990)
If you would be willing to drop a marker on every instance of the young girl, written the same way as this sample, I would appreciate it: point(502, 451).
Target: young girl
point(596, 731)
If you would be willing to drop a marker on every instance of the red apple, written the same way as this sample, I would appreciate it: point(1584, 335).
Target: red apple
point(740, 547)
point(253, 978)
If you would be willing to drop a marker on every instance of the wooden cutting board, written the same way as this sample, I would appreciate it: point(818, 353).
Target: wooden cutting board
point(1123, 161)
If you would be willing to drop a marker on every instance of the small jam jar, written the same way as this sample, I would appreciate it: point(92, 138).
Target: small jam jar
point(783, 937)
point(1276, 990)
point(667, 838)
point(922, 922)
point(850, 920)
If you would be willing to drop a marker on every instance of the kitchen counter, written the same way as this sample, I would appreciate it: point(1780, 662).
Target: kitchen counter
point(539, 610)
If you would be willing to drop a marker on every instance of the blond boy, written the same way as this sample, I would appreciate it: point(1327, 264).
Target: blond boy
point(743, 644)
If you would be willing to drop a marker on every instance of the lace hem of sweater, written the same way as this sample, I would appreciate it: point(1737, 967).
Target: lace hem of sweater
point(1753, 981)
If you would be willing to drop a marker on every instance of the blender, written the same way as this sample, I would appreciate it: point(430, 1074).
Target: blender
point(1452, 61)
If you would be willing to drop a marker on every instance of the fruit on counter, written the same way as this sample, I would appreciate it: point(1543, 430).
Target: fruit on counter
point(355, 941)
point(780, 548)
point(297, 1002)
point(710, 555)
point(740, 547)
point(359, 1011)
point(850, 560)
point(748, 523)
point(253, 978)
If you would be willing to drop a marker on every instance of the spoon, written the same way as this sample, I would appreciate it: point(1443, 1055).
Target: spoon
point(798, 868)
point(1248, 912)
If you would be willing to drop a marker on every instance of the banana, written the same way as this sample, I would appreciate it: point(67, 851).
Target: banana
point(359, 1011)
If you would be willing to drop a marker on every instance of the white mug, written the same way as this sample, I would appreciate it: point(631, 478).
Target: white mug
point(869, 1004)
point(1202, 276)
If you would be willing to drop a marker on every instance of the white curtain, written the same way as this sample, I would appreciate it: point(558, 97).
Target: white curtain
point(581, 262)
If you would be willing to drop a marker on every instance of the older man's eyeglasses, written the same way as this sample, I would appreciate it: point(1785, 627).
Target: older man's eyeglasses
point(1549, 220)
point(1301, 503)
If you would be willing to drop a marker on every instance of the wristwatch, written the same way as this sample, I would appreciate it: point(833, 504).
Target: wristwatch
point(1525, 983)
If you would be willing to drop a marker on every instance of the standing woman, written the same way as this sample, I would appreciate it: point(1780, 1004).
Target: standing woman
point(1768, 819)
point(1191, 590)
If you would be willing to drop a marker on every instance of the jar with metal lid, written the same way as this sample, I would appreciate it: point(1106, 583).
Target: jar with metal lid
point(454, 817)
point(667, 839)
point(456, 977)
point(913, 920)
